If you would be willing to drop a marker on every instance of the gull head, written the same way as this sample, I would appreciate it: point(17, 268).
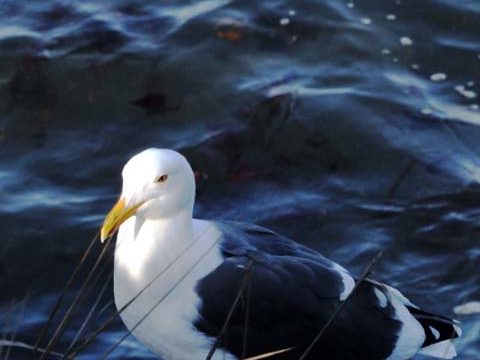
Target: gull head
point(157, 183)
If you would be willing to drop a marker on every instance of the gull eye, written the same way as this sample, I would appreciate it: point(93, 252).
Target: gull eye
point(161, 179)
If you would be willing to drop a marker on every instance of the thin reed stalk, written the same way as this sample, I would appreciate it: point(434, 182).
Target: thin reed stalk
point(5, 316)
point(241, 289)
point(105, 307)
point(90, 314)
point(22, 345)
point(86, 292)
point(62, 296)
point(61, 327)
point(15, 326)
point(270, 354)
point(247, 319)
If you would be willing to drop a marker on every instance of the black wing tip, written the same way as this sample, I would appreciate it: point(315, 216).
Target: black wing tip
point(437, 328)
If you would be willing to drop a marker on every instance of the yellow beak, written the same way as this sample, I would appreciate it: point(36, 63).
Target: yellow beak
point(116, 217)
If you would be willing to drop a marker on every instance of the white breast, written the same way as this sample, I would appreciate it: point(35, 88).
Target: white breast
point(168, 330)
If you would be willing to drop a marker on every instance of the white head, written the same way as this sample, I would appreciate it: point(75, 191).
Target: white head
point(157, 183)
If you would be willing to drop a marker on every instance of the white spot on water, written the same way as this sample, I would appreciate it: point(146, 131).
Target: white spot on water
point(438, 77)
point(391, 17)
point(469, 308)
point(386, 51)
point(46, 53)
point(292, 13)
point(366, 21)
point(415, 66)
point(406, 41)
point(284, 21)
point(470, 83)
point(395, 60)
point(469, 94)
point(351, 5)
point(474, 106)
point(15, 31)
point(426, 111)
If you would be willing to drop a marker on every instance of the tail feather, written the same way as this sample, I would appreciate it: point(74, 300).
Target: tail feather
point(439, 330)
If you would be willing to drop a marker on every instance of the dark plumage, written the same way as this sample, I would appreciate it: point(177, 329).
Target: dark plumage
point(292, 292)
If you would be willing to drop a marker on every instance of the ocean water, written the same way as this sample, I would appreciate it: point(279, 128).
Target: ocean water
point(351, 126)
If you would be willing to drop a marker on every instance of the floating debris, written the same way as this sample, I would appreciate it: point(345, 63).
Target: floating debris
point(438, 77)
point(469, 308)
point(154, 103)
point(230, 30)
point(406, 41)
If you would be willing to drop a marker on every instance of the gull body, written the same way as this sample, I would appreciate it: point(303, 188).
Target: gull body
point(188, 273)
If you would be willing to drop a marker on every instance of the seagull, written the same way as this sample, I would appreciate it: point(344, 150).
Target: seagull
point(196, 289)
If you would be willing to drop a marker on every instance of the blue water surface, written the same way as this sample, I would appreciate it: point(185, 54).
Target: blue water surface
point(351, 126)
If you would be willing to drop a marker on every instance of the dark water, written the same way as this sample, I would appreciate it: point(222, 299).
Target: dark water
point(350, 126)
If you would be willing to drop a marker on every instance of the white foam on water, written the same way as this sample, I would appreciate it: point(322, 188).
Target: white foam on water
point(366, 21)
point(438, 77)
point(406, 41)
point(469, 308)
point(469, 94)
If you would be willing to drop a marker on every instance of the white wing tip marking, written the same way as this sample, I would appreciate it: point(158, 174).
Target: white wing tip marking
point(435, 332)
